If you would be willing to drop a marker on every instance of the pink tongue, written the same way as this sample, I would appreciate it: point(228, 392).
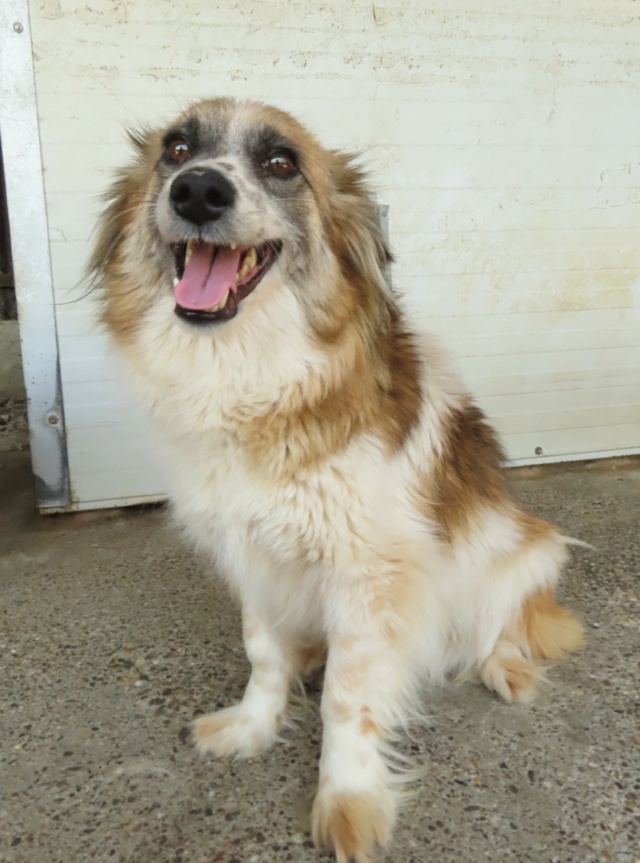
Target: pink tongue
point(209, 274)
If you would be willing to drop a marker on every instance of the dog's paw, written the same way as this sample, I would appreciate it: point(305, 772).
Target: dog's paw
point(352, 823)
point(514, 678)
point(233, 731)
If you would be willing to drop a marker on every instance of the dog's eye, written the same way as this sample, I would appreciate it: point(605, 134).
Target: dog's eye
point(281, 164)
point(177, 150)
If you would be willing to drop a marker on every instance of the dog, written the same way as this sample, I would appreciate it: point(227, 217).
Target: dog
point(320, 451)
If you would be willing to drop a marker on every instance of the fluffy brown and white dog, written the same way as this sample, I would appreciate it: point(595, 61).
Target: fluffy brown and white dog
point(319, 450)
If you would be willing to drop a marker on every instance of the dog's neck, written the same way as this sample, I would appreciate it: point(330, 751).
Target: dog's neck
point(237, 368)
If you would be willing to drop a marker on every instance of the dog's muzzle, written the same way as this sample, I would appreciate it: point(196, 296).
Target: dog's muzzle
point(212, 279)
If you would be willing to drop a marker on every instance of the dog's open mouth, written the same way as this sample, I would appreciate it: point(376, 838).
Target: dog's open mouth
point(211, 281)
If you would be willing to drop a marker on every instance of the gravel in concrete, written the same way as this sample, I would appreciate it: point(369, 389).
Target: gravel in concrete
point(113, 638)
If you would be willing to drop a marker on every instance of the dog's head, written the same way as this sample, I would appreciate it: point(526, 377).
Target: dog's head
point(229, 196)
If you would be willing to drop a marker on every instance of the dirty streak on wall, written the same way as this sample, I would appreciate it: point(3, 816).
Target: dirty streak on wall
point(503, 135)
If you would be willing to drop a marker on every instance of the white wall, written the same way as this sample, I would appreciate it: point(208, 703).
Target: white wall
point(504, 136)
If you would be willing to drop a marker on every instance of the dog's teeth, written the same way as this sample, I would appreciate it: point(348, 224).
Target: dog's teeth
point(234, 246)
point(251, 259)
point(175, 281)
point(221, 304)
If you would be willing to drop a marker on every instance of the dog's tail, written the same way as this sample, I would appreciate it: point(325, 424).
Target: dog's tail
point(550, 630)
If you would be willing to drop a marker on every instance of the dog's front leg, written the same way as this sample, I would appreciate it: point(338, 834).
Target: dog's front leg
point(366, 681)
point(251, 726)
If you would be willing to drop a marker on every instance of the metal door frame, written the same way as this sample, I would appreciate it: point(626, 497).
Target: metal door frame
point(31, 257)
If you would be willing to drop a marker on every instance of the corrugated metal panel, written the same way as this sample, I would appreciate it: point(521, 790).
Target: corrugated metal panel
point(504, 136)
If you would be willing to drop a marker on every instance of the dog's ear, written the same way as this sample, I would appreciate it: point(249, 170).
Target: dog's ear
point(120, 199)
point(142, 140)
point(353, 223)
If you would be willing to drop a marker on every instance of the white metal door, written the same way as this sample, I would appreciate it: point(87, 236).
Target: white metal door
point(502, 135)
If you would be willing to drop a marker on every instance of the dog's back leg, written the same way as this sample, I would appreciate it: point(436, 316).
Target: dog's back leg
point(544, 631)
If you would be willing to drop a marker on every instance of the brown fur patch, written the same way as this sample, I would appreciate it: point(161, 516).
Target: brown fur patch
point(535, 529)
point(393, 597)
point(348, 672)
point(344, 676)
point(338, 709)
point(309, 659)
point(367, 725)
point(351, 825)
point(550, 630)
point(368, 317)
point(364, 391)
point(127, 282)
point(467, 475)
point(402, 398)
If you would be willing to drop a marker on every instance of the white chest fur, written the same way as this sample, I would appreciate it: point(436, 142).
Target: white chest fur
point(275, 543)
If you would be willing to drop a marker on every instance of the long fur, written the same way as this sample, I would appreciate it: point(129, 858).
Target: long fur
point(325, 458)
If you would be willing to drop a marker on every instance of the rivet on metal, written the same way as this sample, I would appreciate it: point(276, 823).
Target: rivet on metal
point(52, 420)
point(17, 26)
point(538, 450)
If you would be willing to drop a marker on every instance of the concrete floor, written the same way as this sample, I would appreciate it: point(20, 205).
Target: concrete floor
point(112, 639)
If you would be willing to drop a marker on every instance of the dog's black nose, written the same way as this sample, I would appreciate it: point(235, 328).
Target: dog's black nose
point(201, 195)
